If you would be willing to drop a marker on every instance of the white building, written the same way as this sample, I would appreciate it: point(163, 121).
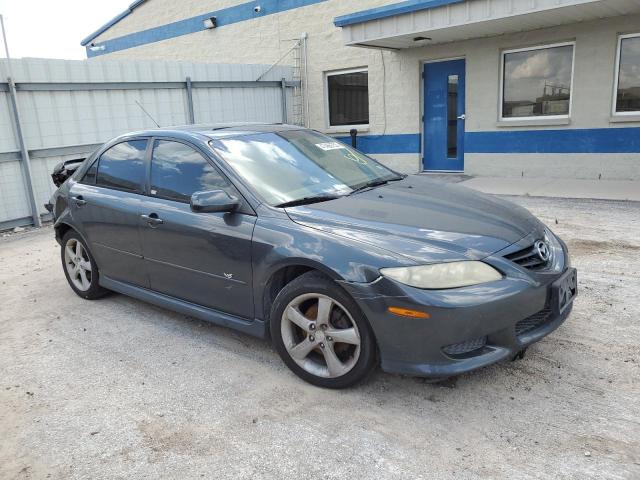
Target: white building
point(488, 87)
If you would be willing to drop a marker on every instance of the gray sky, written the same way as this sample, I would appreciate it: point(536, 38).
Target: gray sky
point(53, 29)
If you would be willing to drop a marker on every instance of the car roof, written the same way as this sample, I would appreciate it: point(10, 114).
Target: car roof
point(215, 130)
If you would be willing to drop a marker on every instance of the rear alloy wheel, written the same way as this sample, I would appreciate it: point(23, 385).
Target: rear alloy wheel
point(79, 267)
point(321, 334)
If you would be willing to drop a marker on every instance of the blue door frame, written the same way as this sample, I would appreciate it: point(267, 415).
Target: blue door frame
point(444, 116)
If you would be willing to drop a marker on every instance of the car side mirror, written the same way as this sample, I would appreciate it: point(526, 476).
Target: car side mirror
point(214, 201)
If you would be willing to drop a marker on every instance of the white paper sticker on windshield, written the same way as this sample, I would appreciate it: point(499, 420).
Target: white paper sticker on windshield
point(329, 146)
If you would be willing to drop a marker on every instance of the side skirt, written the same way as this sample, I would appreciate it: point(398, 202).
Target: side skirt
point(256, 328)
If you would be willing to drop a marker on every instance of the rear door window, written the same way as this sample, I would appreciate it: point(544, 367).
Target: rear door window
point(177, 171)
point(122, 166)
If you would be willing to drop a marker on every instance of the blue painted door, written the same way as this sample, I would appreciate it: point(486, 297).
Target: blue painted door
point(444, 116)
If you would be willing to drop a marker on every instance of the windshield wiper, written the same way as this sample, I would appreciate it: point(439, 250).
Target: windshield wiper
point(374, 183)
point(307, 200)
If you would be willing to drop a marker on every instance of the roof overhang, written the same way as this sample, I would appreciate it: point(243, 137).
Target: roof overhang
point(112, 22)
point(400, 25)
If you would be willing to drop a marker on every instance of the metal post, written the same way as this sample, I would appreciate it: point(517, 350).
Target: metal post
point(284, 100)
point(191, 119)
point(26, 162)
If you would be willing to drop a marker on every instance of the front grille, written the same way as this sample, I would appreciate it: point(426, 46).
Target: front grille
point(533, 322)
point(465, 347)
point(528, 258)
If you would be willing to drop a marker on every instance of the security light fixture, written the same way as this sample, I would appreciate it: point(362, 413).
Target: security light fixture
point(211, 22)
point(420, 39)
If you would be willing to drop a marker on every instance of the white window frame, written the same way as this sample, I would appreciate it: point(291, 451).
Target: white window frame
point(615, 113)
point(342, 128)
point(536, 118)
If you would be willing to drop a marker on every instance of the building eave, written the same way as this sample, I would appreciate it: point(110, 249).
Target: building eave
point(422, 23)
point(408, 6)
point(85, 41)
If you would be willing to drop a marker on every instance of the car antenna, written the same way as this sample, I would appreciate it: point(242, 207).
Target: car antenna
point(148, 114)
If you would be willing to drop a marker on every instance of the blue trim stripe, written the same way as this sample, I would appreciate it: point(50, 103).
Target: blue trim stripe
point(392, 10)
point(594, 140)
point(398, 143)
point(112, 22)
point(225, 16)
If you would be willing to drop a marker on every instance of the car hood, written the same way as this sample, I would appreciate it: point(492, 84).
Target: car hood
point(423, 219)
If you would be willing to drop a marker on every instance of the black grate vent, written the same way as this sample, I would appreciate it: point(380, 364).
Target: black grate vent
point(534, 321)
point(465, 347)
point(528, 258)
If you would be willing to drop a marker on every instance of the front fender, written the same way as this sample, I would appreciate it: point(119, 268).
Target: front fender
point(279, 243)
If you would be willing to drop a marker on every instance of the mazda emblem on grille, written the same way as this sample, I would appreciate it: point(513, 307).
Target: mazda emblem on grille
point(542, 249)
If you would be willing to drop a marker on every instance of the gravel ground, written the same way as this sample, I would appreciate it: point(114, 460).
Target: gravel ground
point(117, 388)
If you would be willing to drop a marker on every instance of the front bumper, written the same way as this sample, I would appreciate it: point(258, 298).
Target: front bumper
point(468, 328)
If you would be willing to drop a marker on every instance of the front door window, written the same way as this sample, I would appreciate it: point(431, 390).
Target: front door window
point(177, 171)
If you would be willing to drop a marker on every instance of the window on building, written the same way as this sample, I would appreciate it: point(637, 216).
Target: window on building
point(122, 166)
point(177, 171)
point(348, 98)
point(537, 81)
point(628, 87)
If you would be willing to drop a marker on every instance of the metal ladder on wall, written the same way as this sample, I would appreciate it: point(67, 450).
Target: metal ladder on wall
point(297, 112)
point(297, 98)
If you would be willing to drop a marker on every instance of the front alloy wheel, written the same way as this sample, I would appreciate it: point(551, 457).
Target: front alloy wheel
point(320, 332)
point(320, 335)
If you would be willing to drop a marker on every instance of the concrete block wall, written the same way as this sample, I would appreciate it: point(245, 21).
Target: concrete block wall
point(267, 38)
point(592, 99)
point(395, 85)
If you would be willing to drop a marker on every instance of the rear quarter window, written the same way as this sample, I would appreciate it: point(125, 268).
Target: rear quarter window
point(89, 177)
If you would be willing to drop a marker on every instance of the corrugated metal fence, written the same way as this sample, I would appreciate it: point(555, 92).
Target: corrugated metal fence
point(68, 108)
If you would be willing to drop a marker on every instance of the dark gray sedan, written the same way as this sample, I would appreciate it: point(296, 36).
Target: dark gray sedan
point(283, 232)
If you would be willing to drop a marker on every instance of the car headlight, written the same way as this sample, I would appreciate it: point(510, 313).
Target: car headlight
point(558, 260)
point(443, 275)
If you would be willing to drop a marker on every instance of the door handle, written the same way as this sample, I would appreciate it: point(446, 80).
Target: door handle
point(79, 200)
point(152, 219)
point(462, 117)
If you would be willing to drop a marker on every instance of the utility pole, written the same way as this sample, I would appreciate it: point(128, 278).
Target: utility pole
point(26, 161)
point(6, 46)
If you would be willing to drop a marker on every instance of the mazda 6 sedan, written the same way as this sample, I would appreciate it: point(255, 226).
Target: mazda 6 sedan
point(284, 233)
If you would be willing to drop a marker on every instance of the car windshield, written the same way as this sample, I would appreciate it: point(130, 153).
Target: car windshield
point(300, 166)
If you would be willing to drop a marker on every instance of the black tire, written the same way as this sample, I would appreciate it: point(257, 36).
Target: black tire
point(94, 291)
point(317, 283)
